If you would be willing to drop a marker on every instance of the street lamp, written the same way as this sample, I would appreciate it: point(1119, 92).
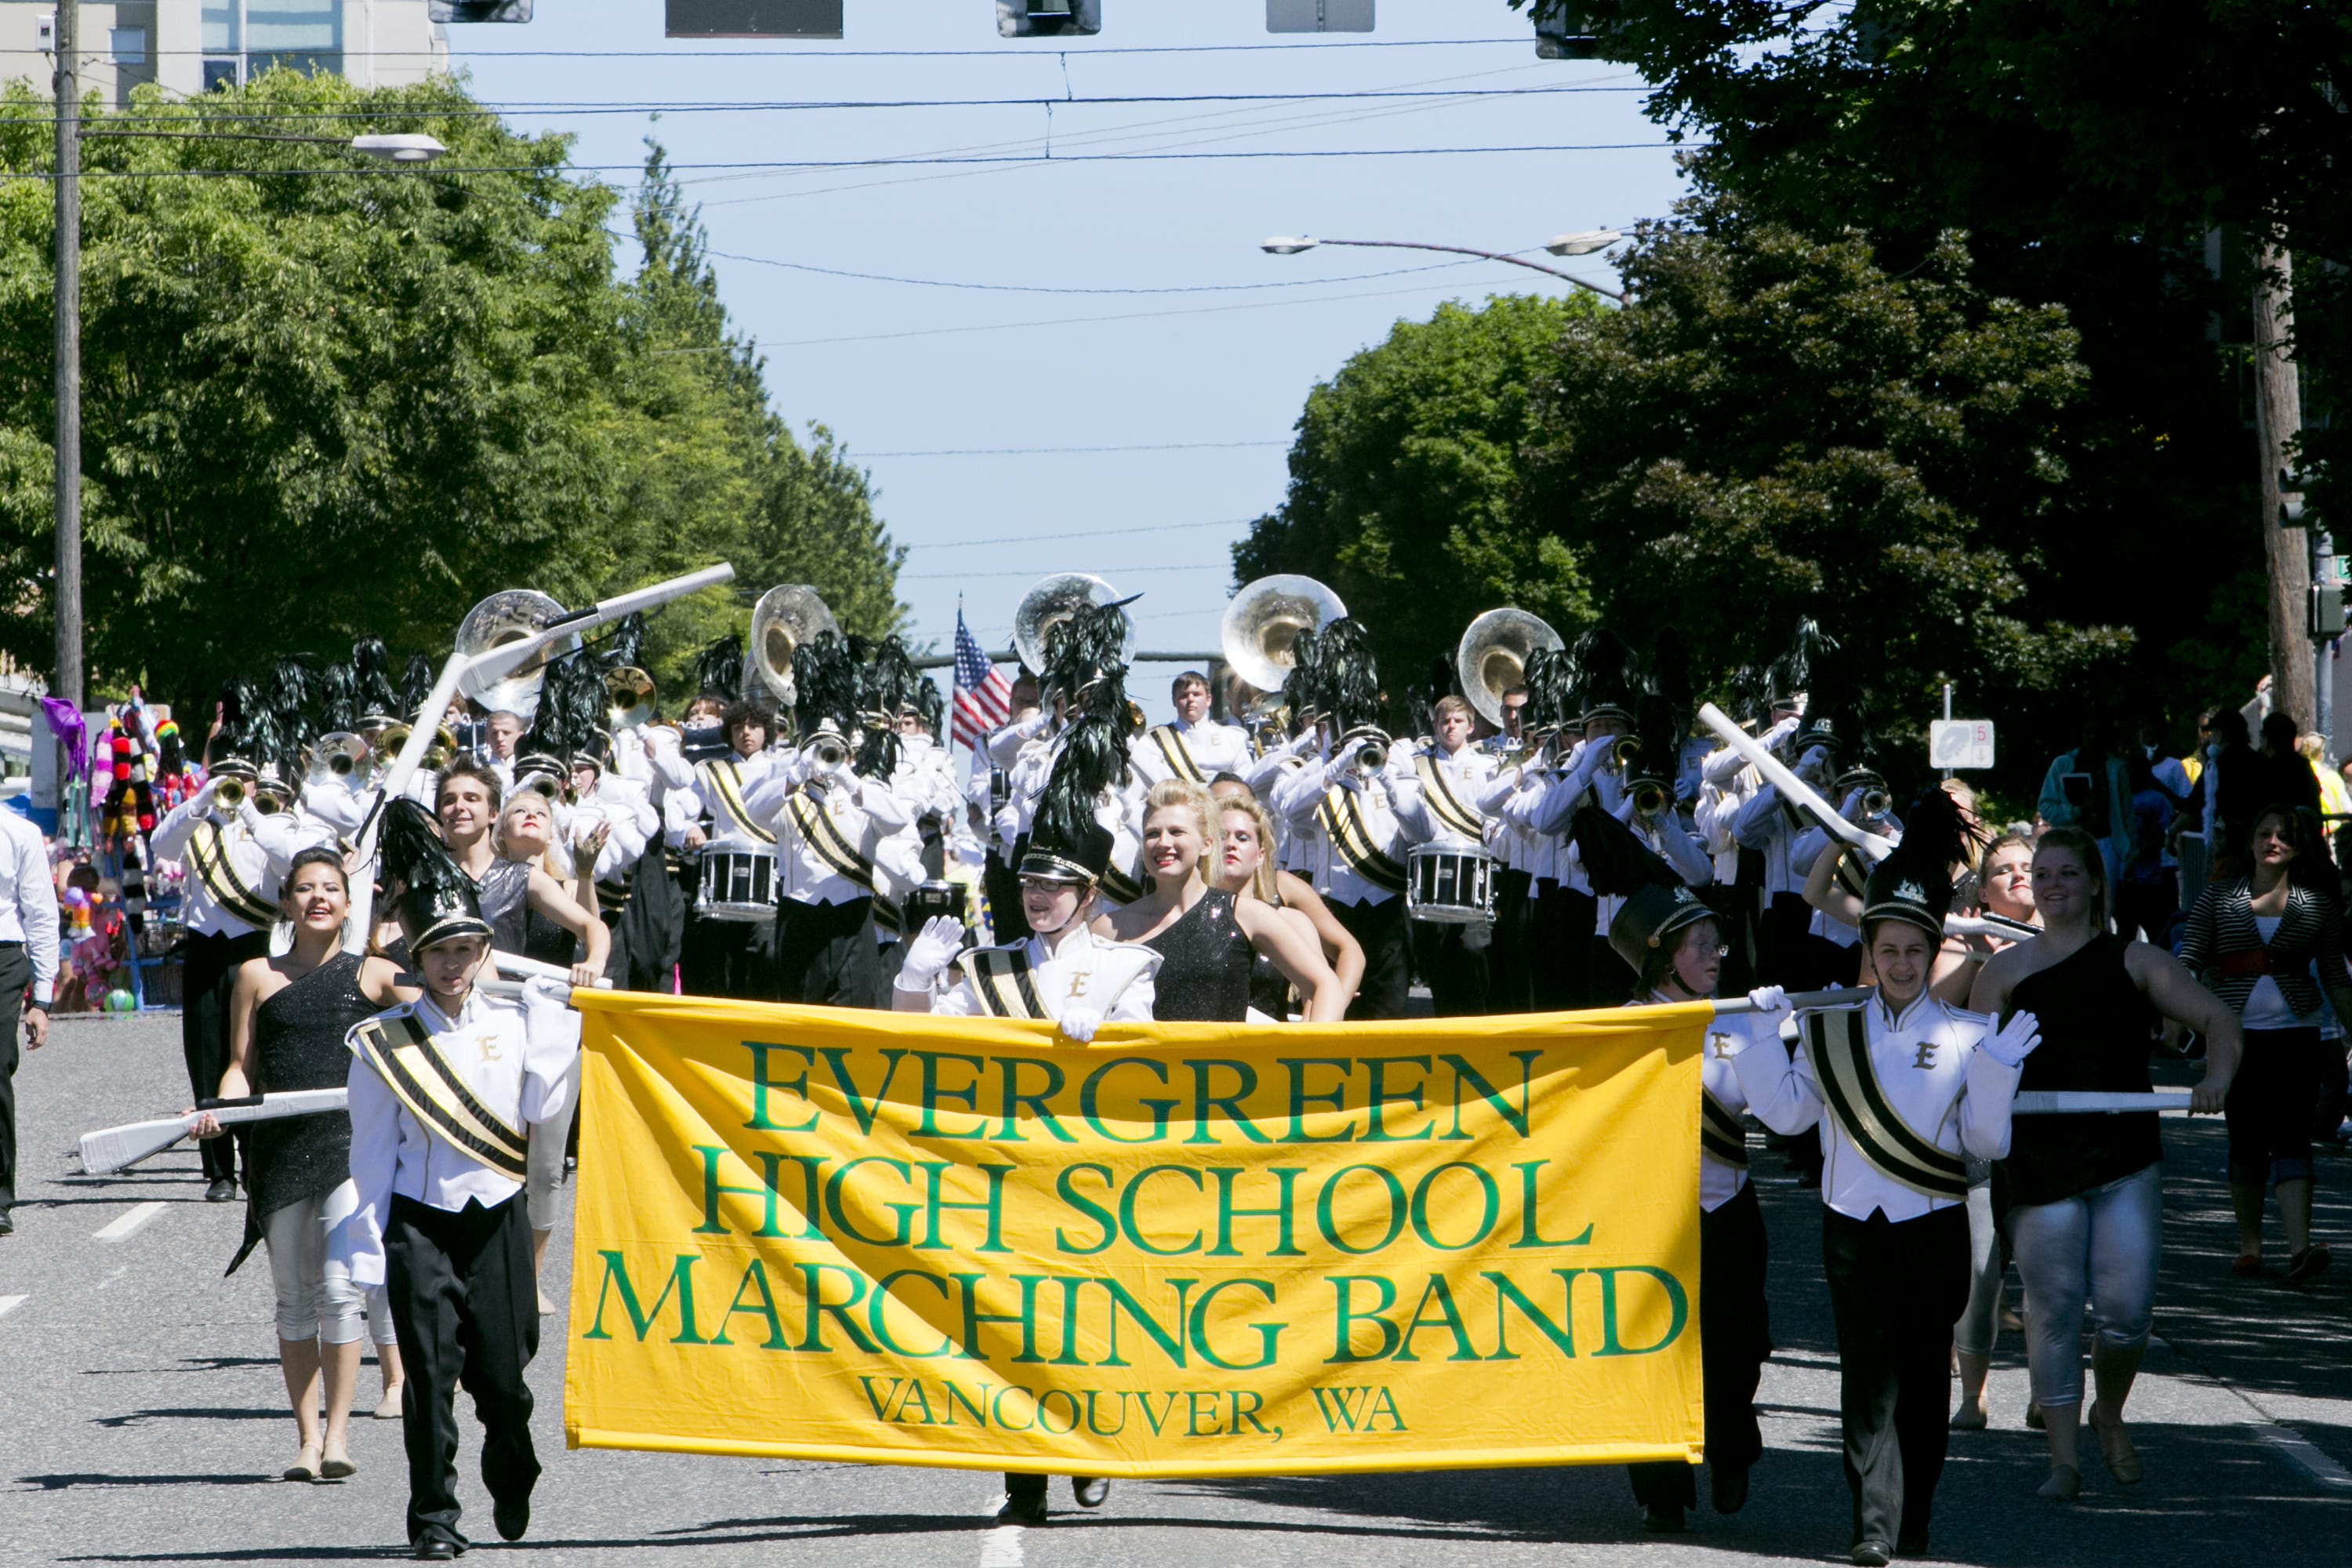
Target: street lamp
point(65, 683)
point(1581, 243)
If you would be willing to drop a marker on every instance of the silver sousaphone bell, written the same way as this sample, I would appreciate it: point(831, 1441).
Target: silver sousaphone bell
point(1492, 656)
point(502, 619)
point(1265, 619)
point(339, 755)
point(786, 616)
point(1054, 600)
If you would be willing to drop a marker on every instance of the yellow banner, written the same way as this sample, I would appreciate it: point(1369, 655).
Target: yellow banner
point(1189, 1249)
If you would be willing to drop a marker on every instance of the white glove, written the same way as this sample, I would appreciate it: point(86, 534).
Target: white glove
point(930, 953)
point(1079, 1023)
point(1768, 1000)
point(1813, 767)
point(1772, 739)
point(2014, 1041)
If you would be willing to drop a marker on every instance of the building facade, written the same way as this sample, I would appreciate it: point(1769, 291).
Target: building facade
point(190, 46)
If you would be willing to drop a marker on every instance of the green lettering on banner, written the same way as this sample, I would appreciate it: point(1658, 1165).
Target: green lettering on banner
point(1529, 1236)
point(935, 1204)
point(956, 1395)
point(761, 1083)
point(712, 1189)
point(1301, 1097)
point(905, 1210)
point(1192, 1427)
point(1562, 1334)
point(1090, 1099)
point(968, 1285)
point(1171, 1345)
point(1039, 1104)
point(680, 1284)
point(934, 1092)
point(876, 1317)
point(837, 1058)
point(755, 1276)
point(1493, 1208)
point(1379, 1097)
point(1267, 1334)
point(1205, 1098)
point(1449, 1317)
point(1328, 1223)
point(1066, 1185)
point(1096, 1427)
point(819, 1309)
point(1346, 1318)
point(1127, 1210)
point(1285, 1177)
point(1677, 1304)
point(1466, 1076)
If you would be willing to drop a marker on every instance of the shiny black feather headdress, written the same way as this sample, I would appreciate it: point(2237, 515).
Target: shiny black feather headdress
point(719, 669)
point(415, 686)
point(431, 898)
point(372, 681)
point(1915, 883)
point(338, 690)
point(1350, 676)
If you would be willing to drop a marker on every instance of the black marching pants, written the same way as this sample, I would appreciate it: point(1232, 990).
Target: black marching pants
point(1453, 960)
point(1735, 1337)
point(207, 976)
point(1559, 948)
point(465, 1305)
point(827, 954)
point(1007, 922)
point(1896, 1290)
point(1507, 958)
point(15, 974)
point(729, 958)
point(1380, 930)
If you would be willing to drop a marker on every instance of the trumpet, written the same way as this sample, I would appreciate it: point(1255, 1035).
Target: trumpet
point(1649, 798)
point(1876, 804)
point(830, 751)
point(556, 791)
point(1372, 755)
point(1623, 749)
point(228, 792)
point(437, 755)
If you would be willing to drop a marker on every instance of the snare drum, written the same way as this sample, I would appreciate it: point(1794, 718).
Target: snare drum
point(1449, 887)
point(930, 899)
point(736, 885)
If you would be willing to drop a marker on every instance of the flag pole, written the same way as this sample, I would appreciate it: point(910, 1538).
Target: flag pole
point(955, 681)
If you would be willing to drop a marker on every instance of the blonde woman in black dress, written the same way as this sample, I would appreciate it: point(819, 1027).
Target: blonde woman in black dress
point(1209, 940)
point(287, 1017)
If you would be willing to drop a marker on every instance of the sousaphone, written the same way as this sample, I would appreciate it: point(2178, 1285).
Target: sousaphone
point(1492, 656)
point(1054, 600)
point(1265, 617)
point(507, 618)
point(786, 616)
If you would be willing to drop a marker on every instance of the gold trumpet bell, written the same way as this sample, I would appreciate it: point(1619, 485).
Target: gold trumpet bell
point(437, 755)
point(1265, 619)
point(1493, 655)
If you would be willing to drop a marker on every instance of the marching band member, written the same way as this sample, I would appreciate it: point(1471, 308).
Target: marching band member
point(1902, 1089)
point(1454, 774)
point(237, 838)
point(1343, 812)
point(1063, 972)
point(1673, 942)
point(1648, 810)
point(710, 819)
point(443, 1092)
point(1194, 747)
point(827, 818)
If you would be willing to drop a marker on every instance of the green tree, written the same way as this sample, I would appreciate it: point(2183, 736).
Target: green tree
point(321, 404)
point(1405, 481)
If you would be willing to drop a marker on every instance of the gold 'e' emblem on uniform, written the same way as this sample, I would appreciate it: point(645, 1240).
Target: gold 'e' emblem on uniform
point(1722, 1044)
point(489, 1044)
point(1927, 1056)
point(1078, 984)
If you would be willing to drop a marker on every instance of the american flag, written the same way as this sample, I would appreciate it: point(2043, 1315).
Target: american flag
point(984, 697)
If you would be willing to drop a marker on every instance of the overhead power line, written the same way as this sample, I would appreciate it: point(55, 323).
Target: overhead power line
point(1088, 534)
point(1033, 452)
point(1065, 288)
point(800, 50)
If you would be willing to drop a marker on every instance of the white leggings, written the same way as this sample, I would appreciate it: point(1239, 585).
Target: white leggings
point(543, 1167)
point(315, 1298)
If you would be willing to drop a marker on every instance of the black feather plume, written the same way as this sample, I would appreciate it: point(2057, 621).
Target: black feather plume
point(415, 686)
point(412, 855)
point(339, 693)
point(371, 677)
point(719, 670)
point(626, 646)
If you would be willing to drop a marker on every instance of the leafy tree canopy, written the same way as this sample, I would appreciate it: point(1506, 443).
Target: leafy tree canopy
point(321, 404)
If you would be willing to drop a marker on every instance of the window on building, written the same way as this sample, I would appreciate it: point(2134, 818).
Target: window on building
point(127, 45)
point(300, 35)
point(220, 74)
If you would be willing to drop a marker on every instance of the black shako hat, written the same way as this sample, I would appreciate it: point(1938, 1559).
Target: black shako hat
point(1915, 883)
point(1065, 856)
point(1658, 903)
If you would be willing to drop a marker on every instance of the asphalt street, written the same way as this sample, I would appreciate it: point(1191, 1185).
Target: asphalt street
point(143, 1418)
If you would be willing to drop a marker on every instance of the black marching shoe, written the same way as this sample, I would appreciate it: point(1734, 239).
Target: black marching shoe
point(511, 1518)
point(1873, 1555)
point(1090, 1491)
point(8, 1226)
point(1662, 1518)
point(436, 1549)
point(1729, 1488)
point(222, 1190)
point(1024, 1500)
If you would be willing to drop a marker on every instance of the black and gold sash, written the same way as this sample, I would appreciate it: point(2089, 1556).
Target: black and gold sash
point(1343, 819)
point(401, 1049)
point(727, 787)
point(208, 856)
point(1838, 1043)
point(822, 834)
point(1444, 804)
point(1721, 1132)
point(1119, 887)
point(1180, 755)
point(1000, 976)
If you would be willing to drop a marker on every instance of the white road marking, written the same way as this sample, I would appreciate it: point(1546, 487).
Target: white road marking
point(122, 1226)
point(2292, 1445)
point(10, 1303)
point(1000, 1547)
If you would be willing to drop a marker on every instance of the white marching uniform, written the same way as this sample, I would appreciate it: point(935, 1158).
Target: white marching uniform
point(1198, 751)
point(1057, 979)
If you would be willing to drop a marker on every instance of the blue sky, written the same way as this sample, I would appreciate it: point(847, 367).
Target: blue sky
point(896, 368)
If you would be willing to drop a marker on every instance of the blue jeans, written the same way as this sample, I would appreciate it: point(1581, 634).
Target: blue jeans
point(2099, 1246)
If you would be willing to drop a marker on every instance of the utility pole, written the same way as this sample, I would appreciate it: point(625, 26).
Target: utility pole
point(65, 683)
point(2278, 417)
